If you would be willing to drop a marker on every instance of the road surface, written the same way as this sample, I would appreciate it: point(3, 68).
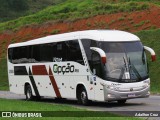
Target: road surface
point(151, 104)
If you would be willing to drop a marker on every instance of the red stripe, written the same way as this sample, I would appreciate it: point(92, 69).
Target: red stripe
point(39, 70)
point(54, 84)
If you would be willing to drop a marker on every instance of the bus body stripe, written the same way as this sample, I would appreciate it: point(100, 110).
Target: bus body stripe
point(33, 83)
point(54, 84)
point(39, 70)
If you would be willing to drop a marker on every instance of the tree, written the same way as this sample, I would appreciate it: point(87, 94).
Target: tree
point(17, 5)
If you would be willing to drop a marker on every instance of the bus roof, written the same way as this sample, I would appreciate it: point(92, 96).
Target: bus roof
point(98, 35)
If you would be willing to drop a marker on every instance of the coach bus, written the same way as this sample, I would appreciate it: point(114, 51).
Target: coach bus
point(91, 65)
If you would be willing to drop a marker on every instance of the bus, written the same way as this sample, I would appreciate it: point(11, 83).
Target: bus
point(90, 65)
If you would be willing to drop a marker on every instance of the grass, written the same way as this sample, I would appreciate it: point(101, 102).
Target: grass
point(56, 31)
point(3, 75)
point(121, 18)
point(7, 105)
point(142, 23)
point(153, 27)
point(72, 10)
point(20, 106)
point(139, 24)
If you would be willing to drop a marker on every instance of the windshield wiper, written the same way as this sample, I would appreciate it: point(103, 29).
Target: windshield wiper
point(123, 69)
point(125, 64)
point(122, 73)
point(134, 69)
point(129, 67)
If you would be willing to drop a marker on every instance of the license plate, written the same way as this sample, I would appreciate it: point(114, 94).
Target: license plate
point(131, 95)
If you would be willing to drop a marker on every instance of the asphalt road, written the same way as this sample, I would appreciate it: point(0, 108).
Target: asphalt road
point(146, 105)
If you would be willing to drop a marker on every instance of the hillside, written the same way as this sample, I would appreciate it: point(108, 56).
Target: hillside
point(12, 9)
point(137, 16)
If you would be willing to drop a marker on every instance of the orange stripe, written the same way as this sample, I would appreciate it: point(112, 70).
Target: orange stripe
point(54, 84)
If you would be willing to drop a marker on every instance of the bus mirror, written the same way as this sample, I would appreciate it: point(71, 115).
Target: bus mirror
point(153, 55)
point(104, 60)
point(101, 53)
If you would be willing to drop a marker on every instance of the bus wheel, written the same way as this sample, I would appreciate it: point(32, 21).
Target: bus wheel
point(28, 93)
point(82, 96)
point(121, 102)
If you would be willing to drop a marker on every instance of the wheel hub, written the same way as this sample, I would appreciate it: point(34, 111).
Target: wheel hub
point(28, 94)
point(83, 96)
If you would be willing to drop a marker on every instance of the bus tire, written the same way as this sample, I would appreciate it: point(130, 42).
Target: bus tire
point(28, 93)
point(83, 97)
point(121, 102)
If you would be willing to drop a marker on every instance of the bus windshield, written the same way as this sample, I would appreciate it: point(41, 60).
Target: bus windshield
point(126, 61)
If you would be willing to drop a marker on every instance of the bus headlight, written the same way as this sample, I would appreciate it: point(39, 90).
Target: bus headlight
point(110, 96)
point(145, 86)
point(146, 83)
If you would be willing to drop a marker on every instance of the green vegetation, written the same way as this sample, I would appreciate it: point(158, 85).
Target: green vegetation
point(56, 31)
point(7, 105)
point(111, 22)
point(3, 75)
point(99, 24)
point(17, 105)
point(8, 9)
point(88, 24)
point(72, 10)
point(139, 24)
point(121, 18)
point(153, 27)
point(142, 23)
point(12, 9)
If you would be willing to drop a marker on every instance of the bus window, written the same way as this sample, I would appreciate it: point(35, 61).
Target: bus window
point(46, 52)
point(20, 55)
point(10, 54)
point(87, 43)
point(35, 53)
point(59, 52)
point(74, 51)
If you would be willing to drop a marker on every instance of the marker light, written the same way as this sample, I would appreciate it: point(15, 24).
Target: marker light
point(153, 55)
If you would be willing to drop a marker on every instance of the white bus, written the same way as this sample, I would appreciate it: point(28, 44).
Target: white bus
point(91, 65)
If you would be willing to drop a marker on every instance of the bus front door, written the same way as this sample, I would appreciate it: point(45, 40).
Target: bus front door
point(97, 68)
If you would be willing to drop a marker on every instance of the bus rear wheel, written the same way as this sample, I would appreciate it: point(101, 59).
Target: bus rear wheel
point(82, 96)
point(28, 93)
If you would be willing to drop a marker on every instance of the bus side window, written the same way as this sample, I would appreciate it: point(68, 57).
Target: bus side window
point(10, 54)
point(86, 45)
point(46, 52)
point(59, 51)
point(74, 51)
point(35, 53)
point(19, 55)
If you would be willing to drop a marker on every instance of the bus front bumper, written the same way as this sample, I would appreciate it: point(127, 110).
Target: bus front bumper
point(111, 95)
